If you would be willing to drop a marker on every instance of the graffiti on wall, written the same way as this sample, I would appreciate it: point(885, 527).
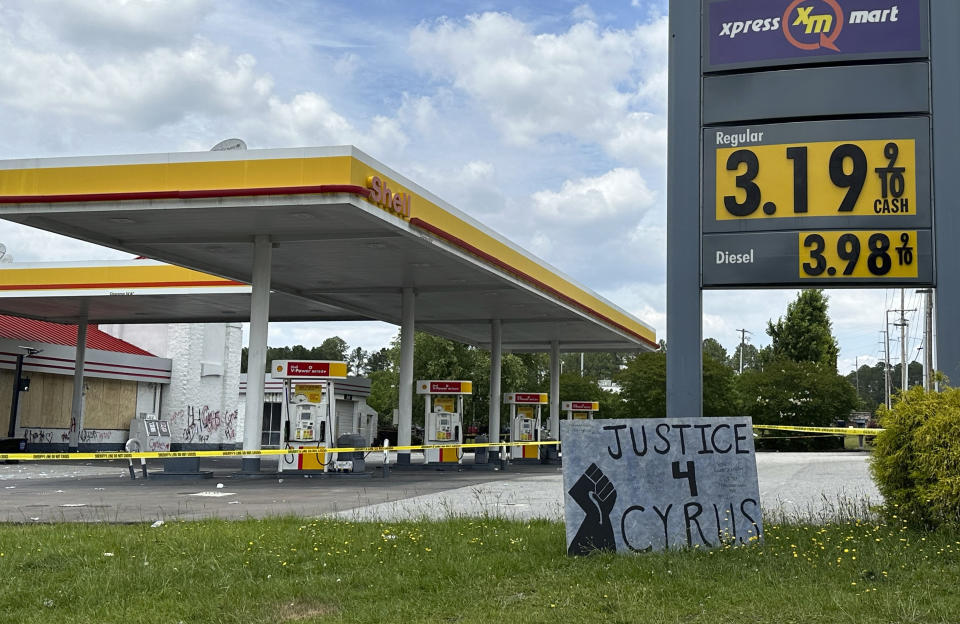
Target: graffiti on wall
point(39, 435)
point(97, 435)
point(56, 435)
point(200, 425)
point(158, 444)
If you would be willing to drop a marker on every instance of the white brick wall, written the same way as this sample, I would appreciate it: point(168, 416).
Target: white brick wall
point(203, 395)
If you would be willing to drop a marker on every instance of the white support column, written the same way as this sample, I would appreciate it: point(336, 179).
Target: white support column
point(496, 359)
point(257, 349)
point(405, 416)
point(332, 406)
point(355, 421)
point(555, 390)
point(76, 409)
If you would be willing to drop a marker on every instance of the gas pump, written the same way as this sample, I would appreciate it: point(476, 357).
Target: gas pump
point(307, 417)
point(443, 418)
point(580, 410)
point(525, 422)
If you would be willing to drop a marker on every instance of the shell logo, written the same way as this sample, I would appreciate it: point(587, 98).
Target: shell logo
point(381, 195)
point(279, 368)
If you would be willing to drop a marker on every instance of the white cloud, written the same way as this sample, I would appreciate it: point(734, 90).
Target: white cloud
point(640, 138)
point(309, 119)
point(726, 311)
point(27, 244)
point(847, 365)
point(542, 245)
point(159, 86)
point(583, 12)
point(346, 65)
point(473, 188)
point(306, 119)
point(183, 86)
point(581, 82)
point(116, 25)
point(610, 195)
point(645, 300)
point(420, 113)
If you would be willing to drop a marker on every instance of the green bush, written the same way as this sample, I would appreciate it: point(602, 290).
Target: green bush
point(916, 462)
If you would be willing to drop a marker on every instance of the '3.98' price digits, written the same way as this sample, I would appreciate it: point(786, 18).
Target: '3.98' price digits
point(858, 254)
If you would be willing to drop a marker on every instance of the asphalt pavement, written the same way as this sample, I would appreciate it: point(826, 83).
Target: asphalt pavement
point(818, 486)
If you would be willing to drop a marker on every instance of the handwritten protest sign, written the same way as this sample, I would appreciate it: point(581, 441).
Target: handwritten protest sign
point(644, 484)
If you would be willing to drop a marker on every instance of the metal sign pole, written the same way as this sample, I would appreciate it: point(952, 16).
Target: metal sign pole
point(684, 300)
point(945, 93)
point(15, 400)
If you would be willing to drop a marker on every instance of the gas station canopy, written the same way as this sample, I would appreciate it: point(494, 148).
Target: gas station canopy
point(128, 291)
point(348, 235)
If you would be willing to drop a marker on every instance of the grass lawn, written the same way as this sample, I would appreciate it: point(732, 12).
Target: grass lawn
point(464, 570)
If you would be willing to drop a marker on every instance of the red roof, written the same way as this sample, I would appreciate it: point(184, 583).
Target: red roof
point(54, 333)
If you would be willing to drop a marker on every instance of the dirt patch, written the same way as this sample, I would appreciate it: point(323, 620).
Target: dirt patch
point(298, 611)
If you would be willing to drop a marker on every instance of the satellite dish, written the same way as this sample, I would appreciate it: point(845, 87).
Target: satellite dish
point(228, 145)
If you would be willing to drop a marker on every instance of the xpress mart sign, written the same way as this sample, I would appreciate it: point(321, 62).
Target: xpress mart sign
point(740, 33)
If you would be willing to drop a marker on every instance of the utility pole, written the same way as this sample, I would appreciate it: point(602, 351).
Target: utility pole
point(902, 324)
point(856, 369)
point(886, 359)
point(743, 339)
point(927, 338)
point(903, 346)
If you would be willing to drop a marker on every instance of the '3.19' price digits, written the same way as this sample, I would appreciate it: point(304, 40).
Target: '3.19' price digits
point(867, 177)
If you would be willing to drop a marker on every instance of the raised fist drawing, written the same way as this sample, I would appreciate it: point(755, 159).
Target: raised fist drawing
point(596, 495)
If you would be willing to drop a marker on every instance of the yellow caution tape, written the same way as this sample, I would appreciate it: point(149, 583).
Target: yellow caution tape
point(248, 452)
point(845, 431)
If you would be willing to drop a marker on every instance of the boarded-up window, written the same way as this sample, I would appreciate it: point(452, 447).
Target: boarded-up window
point(109, 404)
point(47, 404)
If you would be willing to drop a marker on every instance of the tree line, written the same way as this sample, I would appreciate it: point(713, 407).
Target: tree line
point(793, 380)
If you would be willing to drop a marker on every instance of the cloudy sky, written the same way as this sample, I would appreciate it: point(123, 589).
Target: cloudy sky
point(545, 120)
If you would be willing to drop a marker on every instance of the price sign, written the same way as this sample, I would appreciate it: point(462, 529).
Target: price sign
point(863, 254)
point(826, 179)
point(819, 175)
point(895, 257)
